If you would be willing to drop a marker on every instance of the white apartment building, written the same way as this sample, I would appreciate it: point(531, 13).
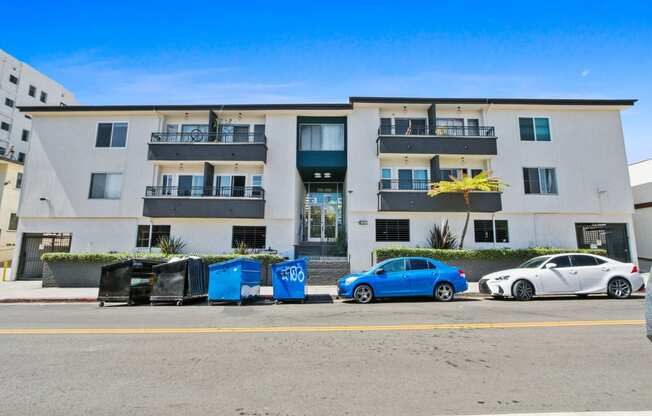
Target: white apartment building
point(640, 176)
point(20, 85)
point(323, 179)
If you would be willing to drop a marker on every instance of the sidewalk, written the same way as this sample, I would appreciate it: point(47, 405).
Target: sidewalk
point(31, 291)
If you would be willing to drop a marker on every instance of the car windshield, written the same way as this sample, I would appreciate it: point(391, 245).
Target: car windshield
point(534, 263)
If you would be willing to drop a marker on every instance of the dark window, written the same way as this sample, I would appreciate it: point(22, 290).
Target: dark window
point(159, 232)
point(418, 264)
point(9, 102)
point(19, 180)
point(25, 136)
point(532, 129)
point(540, 180)
point(475, 172)
point(44, 97)
point(13, 222)
point(526, 126)
point(394, 266)
point(252, 237)
point(561, 262)
point(484, 231)
point(5, 126)
point(385, 125)
point(21, 156)
point(2, 151)
point(259, 133)
point(581, 261)
point(105, 185)
point(13, 79)
point(392, 230)
point(502, 232)
point(111, 135)
point(32, 91)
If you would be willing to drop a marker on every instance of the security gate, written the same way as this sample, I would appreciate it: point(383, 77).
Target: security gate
point(33, 247)
point(610, 237)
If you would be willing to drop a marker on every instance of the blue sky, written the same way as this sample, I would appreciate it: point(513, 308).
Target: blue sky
point(158, 52)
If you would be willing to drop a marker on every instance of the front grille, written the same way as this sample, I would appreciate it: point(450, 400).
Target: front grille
point(484, 287)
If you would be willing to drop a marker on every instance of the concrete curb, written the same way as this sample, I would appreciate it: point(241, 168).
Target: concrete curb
point(47, 300)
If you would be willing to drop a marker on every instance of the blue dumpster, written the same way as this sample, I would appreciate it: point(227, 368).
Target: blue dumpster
point(289, 279)
point(234, 281)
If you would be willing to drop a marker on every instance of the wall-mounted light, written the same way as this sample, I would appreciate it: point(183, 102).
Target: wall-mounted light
point(239, 116)
point(317, 175)
point(327, 175)
point(459, 108)
point(186, 116)
point(405, 108)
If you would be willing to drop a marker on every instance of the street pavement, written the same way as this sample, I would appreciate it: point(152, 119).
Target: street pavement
point(407, 357)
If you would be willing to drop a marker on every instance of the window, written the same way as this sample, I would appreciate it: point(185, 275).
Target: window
point(19, 180)
point(582, 261)
point(386, 178)
point(419, 264)
point(394, 266)
point(13, 222)
point(321, 137)
point(486, 229)
point(44, 97)
point(25, 135)
point(475, 172)
point(540, 180)
point(257, 185)
point(385, 125)
point(111, 135)
point(392, 230)
point(105, 185)
point(410, 126)
point(31, 91)
point(13, 79)
point(445, 174)
point(21, 157)
point(473, 126)
point(534, 129)
point(5, 126)
point(561, 262)
point(259, 133)
point(2, 151)
point(252, 237)
point(9, 102)
point(158, 232)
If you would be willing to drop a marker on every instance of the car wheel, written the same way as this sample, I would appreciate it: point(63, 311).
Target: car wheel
point(619, 288)
point(363, 294)
point(523, 290)
point(444, 292)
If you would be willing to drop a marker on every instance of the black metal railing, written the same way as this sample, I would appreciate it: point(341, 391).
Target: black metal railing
point(198, 136)
point(462, 131)
point(403, 185)
point(255, 192)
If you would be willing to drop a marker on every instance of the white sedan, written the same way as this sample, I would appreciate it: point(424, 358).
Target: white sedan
point(565, 274)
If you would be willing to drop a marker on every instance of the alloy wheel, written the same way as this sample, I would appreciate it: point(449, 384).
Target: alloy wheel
point(444, 292)
point(523, 290)
point(363, 294)
point(619, 288)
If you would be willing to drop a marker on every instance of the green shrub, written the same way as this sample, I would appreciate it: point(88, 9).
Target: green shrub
point(266, 259)
point(488, 254)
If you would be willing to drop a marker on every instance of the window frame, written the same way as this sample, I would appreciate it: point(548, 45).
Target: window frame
point(398, 233)
point(10, 103)
point(534, 127)
point(21, 157)
point(539, 170)
point(4, 123)
point(150, 235)
point(321, 138)
point(90, 186)
point(24, 135)
point(12, 225)
point(252, 229)
point(13, 77)
point(43, 97)
point(19, 180)
point(110, 146)
point(30, 89)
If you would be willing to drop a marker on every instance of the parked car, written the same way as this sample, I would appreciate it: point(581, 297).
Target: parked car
point(405, 276)
point(569, 273)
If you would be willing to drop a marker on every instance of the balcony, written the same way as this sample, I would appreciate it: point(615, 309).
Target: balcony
point(204, 202)
point(412, 196)
point(451, 140)
point(203, 146)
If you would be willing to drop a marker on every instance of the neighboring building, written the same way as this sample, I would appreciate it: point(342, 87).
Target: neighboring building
point(324, 179)
point(640, 176)
point(20, 85)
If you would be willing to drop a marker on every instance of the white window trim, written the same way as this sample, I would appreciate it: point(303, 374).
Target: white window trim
point(97, 128)
point(539, 168)
point(518, 129)
point(90, 184)
point(322, 124)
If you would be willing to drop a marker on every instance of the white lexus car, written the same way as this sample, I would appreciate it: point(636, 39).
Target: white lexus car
point(568, 274)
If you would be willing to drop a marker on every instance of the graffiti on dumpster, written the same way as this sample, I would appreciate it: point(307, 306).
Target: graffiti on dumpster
point(292, 274)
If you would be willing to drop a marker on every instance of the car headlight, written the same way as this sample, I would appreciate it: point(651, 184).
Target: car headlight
point(350, 280)
point(501, 278)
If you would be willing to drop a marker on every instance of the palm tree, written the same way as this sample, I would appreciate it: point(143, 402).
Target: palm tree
point(482, 182)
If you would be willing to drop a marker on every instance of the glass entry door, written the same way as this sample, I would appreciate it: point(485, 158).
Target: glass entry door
point(323, 212)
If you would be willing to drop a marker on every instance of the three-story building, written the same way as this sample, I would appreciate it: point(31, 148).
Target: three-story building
point(324, 180)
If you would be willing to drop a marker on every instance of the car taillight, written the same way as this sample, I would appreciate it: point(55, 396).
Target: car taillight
point(634, 269)
point(462, 273)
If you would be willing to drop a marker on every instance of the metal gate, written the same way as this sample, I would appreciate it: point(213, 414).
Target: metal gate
point(610, 237)
point(33, 247)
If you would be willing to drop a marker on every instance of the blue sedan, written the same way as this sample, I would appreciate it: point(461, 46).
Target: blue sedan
point(405, 276)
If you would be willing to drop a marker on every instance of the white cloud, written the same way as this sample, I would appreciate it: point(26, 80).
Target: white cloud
point(585, 73)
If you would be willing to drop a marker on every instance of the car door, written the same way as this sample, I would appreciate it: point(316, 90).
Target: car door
point(393, 282)
point(590, 272)
point(560, 279)
point(421, 276)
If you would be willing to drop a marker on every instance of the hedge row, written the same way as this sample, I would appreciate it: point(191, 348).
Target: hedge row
point(266, 259)
point(488, 254)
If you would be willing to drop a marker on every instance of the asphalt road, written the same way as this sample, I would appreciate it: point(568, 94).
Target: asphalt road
point(400, 357)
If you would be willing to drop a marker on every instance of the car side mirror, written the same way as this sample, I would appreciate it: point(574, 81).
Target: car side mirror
point(380, 271)
point(551, 265)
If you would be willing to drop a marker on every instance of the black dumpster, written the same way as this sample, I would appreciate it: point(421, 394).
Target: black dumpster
point(180, 281)
point(128, 281)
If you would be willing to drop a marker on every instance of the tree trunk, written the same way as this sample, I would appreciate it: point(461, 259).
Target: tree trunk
point(466, 226)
